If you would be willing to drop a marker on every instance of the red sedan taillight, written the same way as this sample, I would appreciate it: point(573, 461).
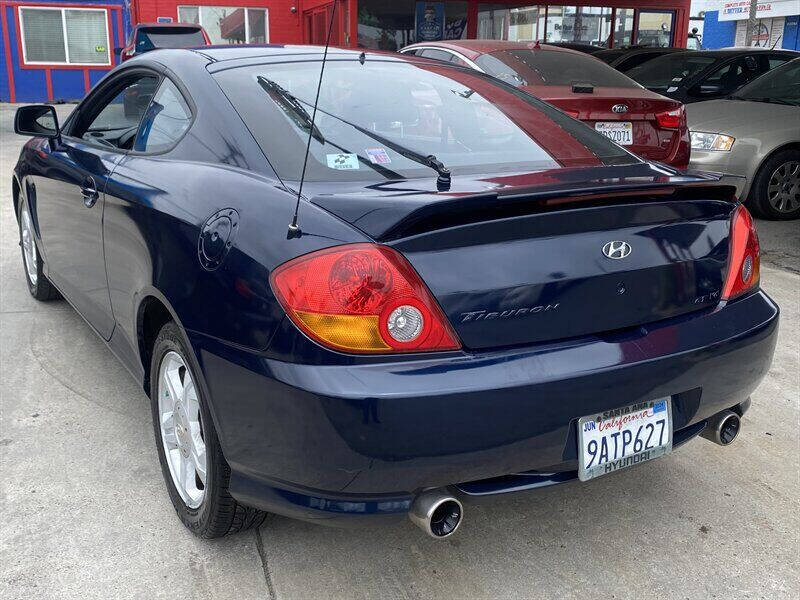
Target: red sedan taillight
point(362, 298)
point(744, 262)
point(672, 119)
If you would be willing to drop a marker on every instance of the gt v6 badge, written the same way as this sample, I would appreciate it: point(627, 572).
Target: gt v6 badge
point(484, 315)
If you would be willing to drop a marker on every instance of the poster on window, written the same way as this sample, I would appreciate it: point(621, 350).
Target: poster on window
point(430, 21)
point(767, 35)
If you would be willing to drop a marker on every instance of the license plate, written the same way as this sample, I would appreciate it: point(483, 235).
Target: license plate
point(620, 132)
point(623, 437)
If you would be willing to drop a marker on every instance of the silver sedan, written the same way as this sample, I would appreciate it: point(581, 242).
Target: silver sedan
point(754, 134)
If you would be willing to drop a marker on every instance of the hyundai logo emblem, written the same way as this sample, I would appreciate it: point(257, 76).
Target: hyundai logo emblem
point(619, 108)
point(617, 250)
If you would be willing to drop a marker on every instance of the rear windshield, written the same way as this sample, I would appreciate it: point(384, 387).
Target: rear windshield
point(781, 85)
point(469, 121)
point(151, 38)
point(551, 67)
point(670, 70)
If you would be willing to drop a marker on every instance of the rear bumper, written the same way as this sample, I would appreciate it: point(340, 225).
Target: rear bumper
point(331, 442)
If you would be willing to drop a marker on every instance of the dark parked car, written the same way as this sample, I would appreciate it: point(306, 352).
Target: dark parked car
point(614, 105)
point(624, 59)
point(152, 36)
point(707, 74)
point(578, 46)
point(480, 295)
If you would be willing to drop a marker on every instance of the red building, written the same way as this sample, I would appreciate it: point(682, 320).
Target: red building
point(57, 49)
point(391, 24)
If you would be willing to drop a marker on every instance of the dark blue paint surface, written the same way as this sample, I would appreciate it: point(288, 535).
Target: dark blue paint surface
point(318, 434)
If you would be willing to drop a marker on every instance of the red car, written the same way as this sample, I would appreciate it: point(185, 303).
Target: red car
point(152, 36)
point(584, 87)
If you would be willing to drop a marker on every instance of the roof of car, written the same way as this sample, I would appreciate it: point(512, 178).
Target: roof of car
point(474, 48)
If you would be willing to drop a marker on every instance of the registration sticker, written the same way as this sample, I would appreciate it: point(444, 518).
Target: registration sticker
point(378, 156)
point(343, 162)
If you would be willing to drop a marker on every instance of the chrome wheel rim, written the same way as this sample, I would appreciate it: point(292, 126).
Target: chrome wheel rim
point(783, 191)
point(29, 256)
point(182, 429)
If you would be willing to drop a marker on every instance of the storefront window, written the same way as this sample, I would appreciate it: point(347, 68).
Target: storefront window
point(582, 24)
point(393, 24)
point(64, 36)
point(228, 24)
point(508, 22)
point(623, 28)
point(655, 29)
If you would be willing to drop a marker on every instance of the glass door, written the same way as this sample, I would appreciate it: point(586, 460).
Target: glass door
point(655, 28)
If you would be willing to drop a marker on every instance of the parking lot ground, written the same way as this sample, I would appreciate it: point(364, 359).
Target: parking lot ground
point(84, 512)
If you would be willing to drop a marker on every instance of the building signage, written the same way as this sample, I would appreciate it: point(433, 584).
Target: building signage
point(737, 10)
point(430, 21)
point(768, 33)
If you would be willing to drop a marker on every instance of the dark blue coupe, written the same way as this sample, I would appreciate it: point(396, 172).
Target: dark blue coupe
point(479, 294)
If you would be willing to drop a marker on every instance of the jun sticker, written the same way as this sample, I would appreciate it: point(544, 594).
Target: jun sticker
point(378, 156)
point(343, 162)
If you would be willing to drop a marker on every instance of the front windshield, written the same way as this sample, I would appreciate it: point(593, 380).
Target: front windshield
point(670, 70)
point(779, 85)
point(382, 118)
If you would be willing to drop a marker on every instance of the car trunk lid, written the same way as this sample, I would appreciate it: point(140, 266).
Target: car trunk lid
point(522, 268)
point(619, 105)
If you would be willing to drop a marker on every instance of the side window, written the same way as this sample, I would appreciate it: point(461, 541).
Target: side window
point(165, 121)
point(727, 79)
point(457, 61)
point(114, 117)
point(776, 61)
point(410, 52)
point(436, 54)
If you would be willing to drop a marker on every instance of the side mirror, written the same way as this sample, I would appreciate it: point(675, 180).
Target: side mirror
point(39, 120)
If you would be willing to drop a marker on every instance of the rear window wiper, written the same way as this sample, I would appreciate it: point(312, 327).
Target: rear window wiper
point(291, 105)
point(442, 182)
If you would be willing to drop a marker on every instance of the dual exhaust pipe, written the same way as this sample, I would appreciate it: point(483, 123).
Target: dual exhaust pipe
point(722, 428)
point(439, 513)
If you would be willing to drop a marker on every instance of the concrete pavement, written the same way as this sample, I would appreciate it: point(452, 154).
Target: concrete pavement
point(84, 512)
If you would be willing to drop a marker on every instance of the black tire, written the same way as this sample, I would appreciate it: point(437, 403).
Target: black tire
point(759, 200)
point(218, 514)
point(41, 289)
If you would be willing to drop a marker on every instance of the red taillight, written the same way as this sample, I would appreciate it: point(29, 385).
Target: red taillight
point(362, 298)
point(744, 262)
point(671, 119)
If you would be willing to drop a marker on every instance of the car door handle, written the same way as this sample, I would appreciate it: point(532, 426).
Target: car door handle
point(89, 192)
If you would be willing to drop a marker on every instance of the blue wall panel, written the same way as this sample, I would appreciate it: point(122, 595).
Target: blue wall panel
point(67, 84)
point(791, 33)
point(5, 90)
point(716, 33)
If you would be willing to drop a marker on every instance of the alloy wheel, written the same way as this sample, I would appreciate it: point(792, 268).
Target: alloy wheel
point(182, 429)
point(783, 191)
point(29, 255)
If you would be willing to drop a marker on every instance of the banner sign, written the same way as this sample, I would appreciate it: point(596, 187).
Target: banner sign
point(737, 10)
point(430, 21)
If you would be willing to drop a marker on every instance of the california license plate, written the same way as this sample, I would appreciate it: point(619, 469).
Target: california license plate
point(620, 132)
point(623, 437)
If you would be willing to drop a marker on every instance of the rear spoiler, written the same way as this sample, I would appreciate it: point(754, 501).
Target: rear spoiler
point(389, 218)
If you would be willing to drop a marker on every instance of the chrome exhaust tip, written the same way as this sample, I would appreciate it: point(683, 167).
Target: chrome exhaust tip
point(723, 428)
point(437, 513)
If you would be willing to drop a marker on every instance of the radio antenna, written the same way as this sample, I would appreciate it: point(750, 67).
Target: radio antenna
point(294, 228)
